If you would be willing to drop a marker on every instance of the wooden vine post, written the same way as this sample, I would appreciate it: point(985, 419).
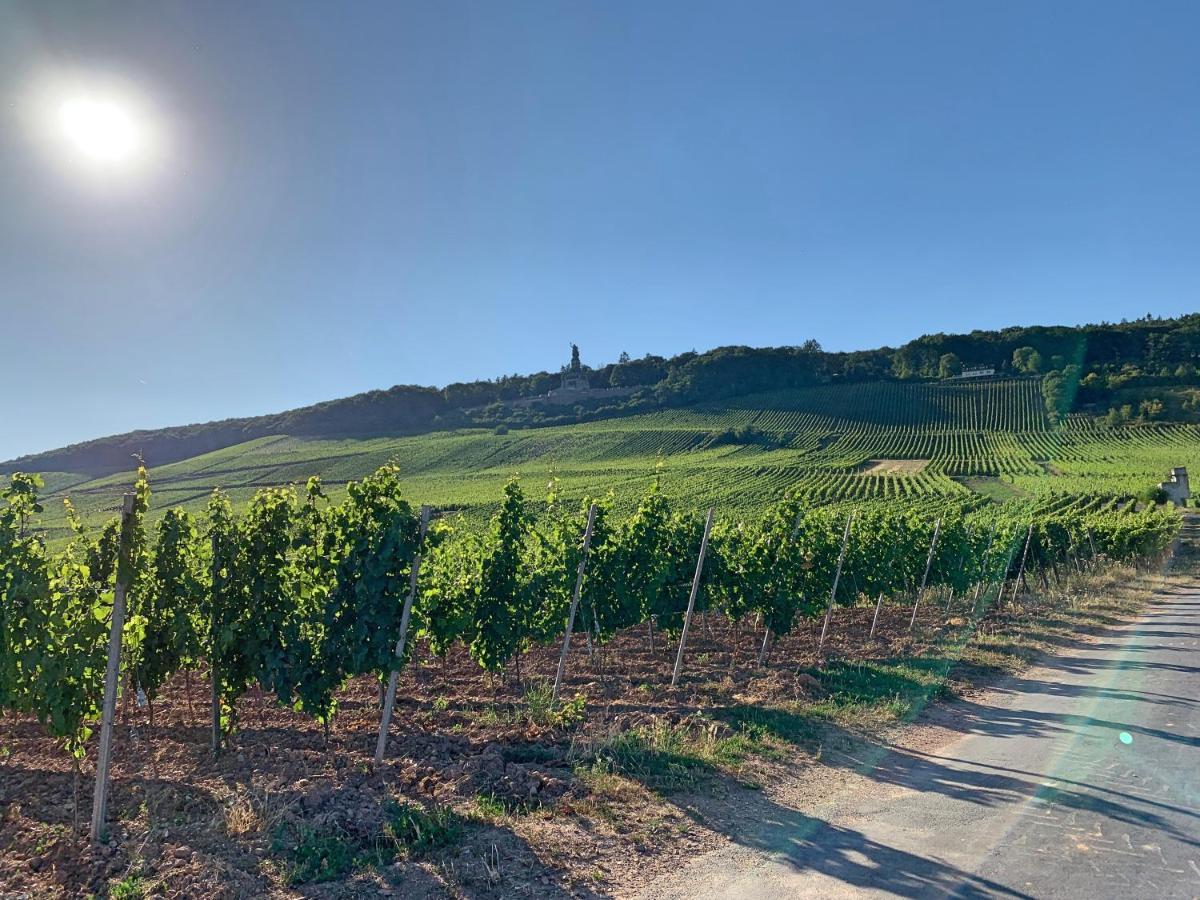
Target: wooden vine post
point(112, 672)
point(837, 576)
point(562, 658)
point(212, 662)
point(937, 529)
point(389, 701)
point(762, 651)
point(687, 618)
point(875, 618)
point(1021, 569)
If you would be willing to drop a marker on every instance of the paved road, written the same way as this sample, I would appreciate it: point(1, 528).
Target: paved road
point(1079, 779)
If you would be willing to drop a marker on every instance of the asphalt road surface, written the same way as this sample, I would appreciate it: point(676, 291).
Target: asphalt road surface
point(1079, 779)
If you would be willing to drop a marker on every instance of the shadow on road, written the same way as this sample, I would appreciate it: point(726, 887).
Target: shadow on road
point(806, 843)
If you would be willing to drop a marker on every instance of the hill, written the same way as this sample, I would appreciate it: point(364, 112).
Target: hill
point(1133, 371)
point(829, 443)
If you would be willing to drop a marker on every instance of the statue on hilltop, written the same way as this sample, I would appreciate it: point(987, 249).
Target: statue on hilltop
point(574, 378)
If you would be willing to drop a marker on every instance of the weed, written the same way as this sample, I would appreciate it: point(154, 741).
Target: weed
point(313, 854)
point(417, 831)
point(541, 709)
point(663, 758)
point(49, 839)
point(488, 808)
point(539, 702)
point(131, 887)
point(570, 713)
point(250, 810)
point(492, 717)
point(605, 784)
point(240, 816)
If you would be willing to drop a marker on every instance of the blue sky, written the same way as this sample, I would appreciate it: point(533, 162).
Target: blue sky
point(361, 195)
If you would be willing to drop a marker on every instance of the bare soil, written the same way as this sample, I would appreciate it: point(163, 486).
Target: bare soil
point(894, 466)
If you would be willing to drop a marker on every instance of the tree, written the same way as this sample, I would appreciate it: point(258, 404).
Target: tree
point(1150, 408)
point(623, 358)
point(1118, 416)
point(638, 372)
point(1058, 389)
point(949, 366)
point(1028, 360)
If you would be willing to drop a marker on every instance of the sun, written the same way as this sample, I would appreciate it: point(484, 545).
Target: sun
point(107, 130)
point(101, 131)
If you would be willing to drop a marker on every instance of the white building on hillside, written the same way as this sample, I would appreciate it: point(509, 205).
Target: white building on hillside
point(1176, 488)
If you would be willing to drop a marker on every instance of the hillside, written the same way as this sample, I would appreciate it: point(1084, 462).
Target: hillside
point(829, 443)
point(1142, 371)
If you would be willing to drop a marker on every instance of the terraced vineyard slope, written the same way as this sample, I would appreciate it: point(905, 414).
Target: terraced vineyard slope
point(832, 443)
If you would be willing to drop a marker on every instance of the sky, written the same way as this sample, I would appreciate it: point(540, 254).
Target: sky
point(338, 197)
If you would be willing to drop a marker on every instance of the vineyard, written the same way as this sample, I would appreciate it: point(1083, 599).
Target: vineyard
point(297, 595)
point(337, 599)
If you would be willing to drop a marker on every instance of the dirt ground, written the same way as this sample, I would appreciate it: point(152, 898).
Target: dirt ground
point(894, 466)
point(523, 813)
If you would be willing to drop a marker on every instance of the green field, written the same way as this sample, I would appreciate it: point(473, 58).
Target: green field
point(990, 437)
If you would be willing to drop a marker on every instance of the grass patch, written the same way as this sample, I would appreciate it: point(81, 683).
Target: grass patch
point(313, 854)
point(416, 831)
point(895, 689)
point(991, 487)
point(131, 887)
point(489, 808)
point(541, 709)
point(668, 758)
point(310, 854)
point(604, 784)
point(661, 757)
point(493, 717)
point(762, 723)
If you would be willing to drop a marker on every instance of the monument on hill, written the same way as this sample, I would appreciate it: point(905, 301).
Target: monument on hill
point(573, 376)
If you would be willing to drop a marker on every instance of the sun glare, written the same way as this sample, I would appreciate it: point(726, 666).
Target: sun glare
point(100, 130)
point(106, 129)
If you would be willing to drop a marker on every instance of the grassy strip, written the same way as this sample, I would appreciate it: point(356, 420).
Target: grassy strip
point(307, 853)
